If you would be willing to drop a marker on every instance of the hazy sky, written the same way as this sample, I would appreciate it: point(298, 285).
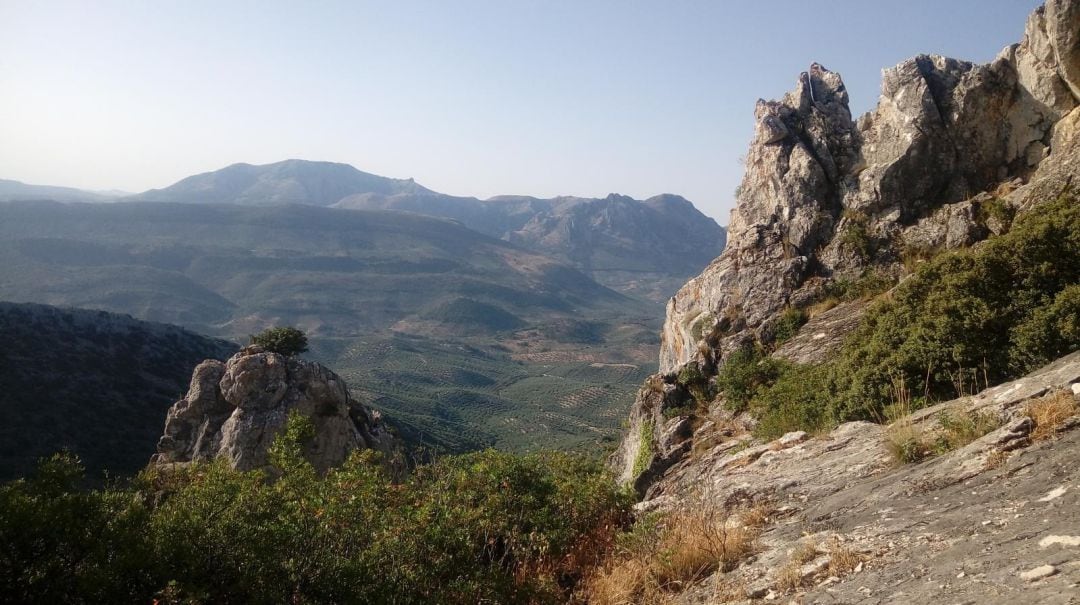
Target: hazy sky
point(470, 98)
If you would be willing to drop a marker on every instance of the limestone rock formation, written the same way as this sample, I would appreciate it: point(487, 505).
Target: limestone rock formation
point(962, 526)
point(233, 410)
point(950, 146)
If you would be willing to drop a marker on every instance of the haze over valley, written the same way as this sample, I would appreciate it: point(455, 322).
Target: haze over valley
point(514, 322)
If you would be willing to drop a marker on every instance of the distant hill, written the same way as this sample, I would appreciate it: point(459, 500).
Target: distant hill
point(233, 270)
point(14, 190)
point(644, 248)
point(288, 182)
point(92, 382)
point(465, 340)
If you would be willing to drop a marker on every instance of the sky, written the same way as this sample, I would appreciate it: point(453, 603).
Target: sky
point(469, 97)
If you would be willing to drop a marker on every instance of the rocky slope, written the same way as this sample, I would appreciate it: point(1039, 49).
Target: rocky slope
point(233, 410)
point(826, 196)
point(992, 521)
point(94, 383)
point(951, 153)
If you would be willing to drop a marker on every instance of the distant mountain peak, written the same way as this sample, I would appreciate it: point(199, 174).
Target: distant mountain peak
point(292, 181)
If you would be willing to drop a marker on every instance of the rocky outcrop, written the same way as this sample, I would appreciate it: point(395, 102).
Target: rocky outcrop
point(824, 195)
point(950, 154)
point(233, 410)
point(966, 525)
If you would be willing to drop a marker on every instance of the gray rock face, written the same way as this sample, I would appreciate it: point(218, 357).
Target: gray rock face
point(827, 197)
point(233, 410)
point(972, 525)
point(818, 183)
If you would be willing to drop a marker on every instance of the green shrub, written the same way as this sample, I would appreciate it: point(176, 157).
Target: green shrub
point(855, 235)
point(645, 448)
point(997, 209)
point(964, 320)
point(283, 340)
point(1048, 332)
point(789, 323)
point(483, 527)
point(798, 398)
point(743, 373)
point(994, 308)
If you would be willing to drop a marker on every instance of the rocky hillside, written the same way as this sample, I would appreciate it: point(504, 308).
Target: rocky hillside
point(859, 383)
point(92, 382)
point(986, 517)
point(832, 209)
point(234, 411)
point(827, 197)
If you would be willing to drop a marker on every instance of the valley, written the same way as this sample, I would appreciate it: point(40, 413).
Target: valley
point(465, 340)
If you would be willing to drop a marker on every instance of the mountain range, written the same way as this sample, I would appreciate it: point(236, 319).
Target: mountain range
point(643, 248)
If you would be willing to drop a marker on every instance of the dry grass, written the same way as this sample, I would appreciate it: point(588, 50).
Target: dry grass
point(758, 515)
point(688, 546)
point(996, 459)
point(1050, 412)
point(804, 552)
point(789, 577)
point(842, 559)
point(961, 427)
point(905, 441)
point(727, 590)
point(821, 306)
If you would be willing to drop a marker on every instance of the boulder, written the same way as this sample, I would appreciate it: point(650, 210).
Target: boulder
point(234, 410)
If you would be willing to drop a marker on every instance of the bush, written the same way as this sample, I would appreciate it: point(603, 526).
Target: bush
point(284, 341)
point(964, 320)
point(790, 321)
point(798, 398)
point(483, 527)
point(743, 373)
point(1003, 308)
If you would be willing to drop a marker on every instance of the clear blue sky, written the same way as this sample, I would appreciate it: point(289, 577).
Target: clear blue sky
point(470, 98)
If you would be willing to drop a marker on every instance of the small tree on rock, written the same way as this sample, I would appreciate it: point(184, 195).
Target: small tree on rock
point(286, 341)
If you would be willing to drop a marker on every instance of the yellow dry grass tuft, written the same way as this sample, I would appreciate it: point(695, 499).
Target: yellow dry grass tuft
point(842, 559)
point(1050, 412)
point(686, 547)
point(804, 552)
point(789, 577)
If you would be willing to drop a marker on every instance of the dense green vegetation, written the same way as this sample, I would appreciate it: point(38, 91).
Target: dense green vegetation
point(963, 320)
point(92, 382)
point(484, 527)
point(283, 340)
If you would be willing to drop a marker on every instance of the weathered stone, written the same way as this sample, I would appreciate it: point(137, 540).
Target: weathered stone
point(1038, 573)
point(826, 197)
point(234, 410)
point(907, 523)
point(792, 438)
